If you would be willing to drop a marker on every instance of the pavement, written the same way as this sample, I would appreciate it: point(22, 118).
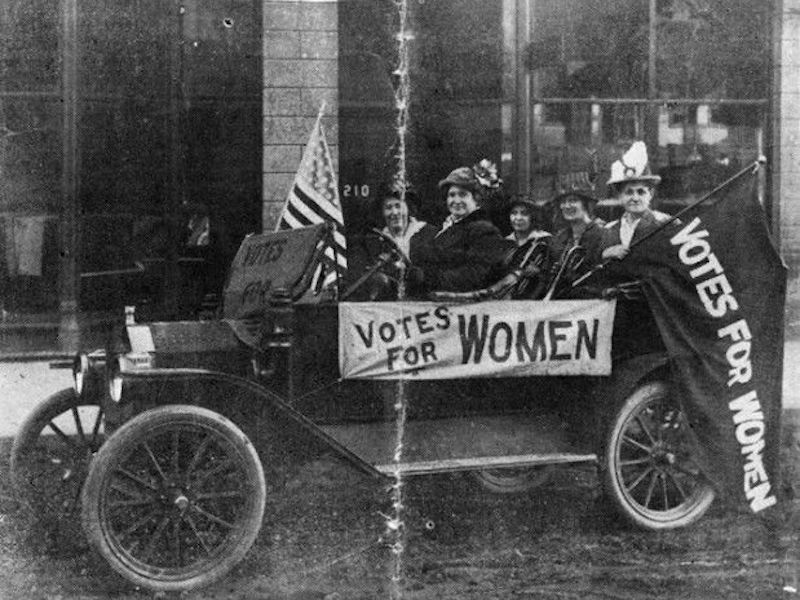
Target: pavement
point(24, 384)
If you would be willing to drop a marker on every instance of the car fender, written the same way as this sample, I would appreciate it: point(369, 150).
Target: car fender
point(292, 423)
point(626, 376)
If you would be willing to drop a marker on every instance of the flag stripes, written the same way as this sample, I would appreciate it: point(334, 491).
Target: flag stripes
point(314, 198)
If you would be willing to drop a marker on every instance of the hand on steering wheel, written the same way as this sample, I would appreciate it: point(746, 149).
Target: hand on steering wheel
point(393, 247)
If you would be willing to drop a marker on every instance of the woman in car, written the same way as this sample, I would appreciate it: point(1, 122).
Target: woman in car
point(398, 212)
point(633, 184)
point(576, 210)
point(468, 252)
point(396, 209)
point(534, 248)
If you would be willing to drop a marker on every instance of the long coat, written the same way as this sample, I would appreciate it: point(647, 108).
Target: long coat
point(468, 255)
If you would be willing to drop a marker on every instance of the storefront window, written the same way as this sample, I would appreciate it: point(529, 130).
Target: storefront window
point(543, 87)
point(689, 78)
point(457, 91)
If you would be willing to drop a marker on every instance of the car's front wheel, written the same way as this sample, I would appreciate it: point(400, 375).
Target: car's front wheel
point(175, 498)
point(648, 470)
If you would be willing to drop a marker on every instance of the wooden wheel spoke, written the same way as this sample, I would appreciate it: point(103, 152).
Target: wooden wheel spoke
point(96, 428)
point(176, 538)
point(200, 539)
point(154, 461)
point(198, 454)
point(635, 443)
point(140, 522)
point(64, 437)
point(635, 461)
point(136, 479)
point(644, 427)
point(215, 495)
point(639, 479)
point(151, 544)
point(217, 469)
point(678, 485)
point(78, 425)
point(174, 462)
point(664, 490)
point(650, 489)
point(212, 517)
point(141, 501)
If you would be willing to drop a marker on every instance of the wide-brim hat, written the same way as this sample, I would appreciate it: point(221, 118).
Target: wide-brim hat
point(524, 202)
point(633, 167)
point(399, 191)
point(462, 177)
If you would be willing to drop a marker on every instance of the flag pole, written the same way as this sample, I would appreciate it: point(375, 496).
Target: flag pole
point(751, 168)
point(332, 230)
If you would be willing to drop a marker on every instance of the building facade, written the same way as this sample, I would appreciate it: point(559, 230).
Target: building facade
point(543, 88)
point(131, 131)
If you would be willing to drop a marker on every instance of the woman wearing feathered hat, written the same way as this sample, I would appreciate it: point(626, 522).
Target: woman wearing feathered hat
point(633, 184)
point(468, 252)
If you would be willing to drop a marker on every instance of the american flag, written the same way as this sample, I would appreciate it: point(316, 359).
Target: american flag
point(314, 198)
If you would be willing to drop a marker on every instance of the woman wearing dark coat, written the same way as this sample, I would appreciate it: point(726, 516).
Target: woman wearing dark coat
point(468, 253)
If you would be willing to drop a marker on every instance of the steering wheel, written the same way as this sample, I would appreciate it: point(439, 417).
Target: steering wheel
point(394, 252)
point(393, 247)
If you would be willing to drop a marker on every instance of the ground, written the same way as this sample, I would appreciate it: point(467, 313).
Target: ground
point(322, 538)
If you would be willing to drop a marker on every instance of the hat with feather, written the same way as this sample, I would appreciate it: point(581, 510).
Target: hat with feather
point(633, 167)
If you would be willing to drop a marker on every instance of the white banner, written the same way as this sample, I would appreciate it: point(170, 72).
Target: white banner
point(520, 338)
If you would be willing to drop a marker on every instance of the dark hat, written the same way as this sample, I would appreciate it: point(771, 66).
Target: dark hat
point(480, 177)
point(523, 201)
point(576, 176)
point(394, 189)
point(462, 177)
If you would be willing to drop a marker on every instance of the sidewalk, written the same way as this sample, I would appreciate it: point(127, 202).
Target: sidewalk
point(791, 374)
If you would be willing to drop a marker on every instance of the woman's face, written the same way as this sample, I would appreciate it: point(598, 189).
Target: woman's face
point(636, 197)
point(460, 202)
point(573, 209)
point(395, 214)
point(520, 218)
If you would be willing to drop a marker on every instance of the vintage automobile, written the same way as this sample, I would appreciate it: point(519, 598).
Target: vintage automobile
point(168, 441)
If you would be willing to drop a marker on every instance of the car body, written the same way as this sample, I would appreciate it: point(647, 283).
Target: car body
point(189, 415)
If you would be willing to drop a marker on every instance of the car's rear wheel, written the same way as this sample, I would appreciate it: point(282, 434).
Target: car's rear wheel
point(175, 498)
point(51, 454)
point(514, 480)
point(649, 474)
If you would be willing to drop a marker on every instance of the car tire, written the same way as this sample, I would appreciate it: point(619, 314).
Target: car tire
point(175, 498)
point(648, 473)
point(514, 481)
point(51, 454)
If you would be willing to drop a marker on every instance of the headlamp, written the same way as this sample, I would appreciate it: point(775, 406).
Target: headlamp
point(115, 379)
point(80, 372)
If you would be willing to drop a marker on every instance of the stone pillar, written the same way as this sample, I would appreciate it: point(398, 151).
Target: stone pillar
point(300, 72)
point(786, 148)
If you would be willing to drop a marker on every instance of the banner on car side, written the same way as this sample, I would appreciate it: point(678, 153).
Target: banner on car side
point(427, 340)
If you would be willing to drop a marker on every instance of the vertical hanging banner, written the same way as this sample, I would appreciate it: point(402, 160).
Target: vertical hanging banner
point(716, 287)
point(426, 340)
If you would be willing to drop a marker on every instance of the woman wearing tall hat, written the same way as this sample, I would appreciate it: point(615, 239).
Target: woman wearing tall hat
point(633, 184)
point(469, 251)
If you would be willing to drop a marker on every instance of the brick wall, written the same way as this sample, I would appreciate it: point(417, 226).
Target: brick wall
point(786, 155)
point(300, 72)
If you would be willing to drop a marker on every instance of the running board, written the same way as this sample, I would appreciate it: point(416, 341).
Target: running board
point(428, 446)
point(482, 462)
